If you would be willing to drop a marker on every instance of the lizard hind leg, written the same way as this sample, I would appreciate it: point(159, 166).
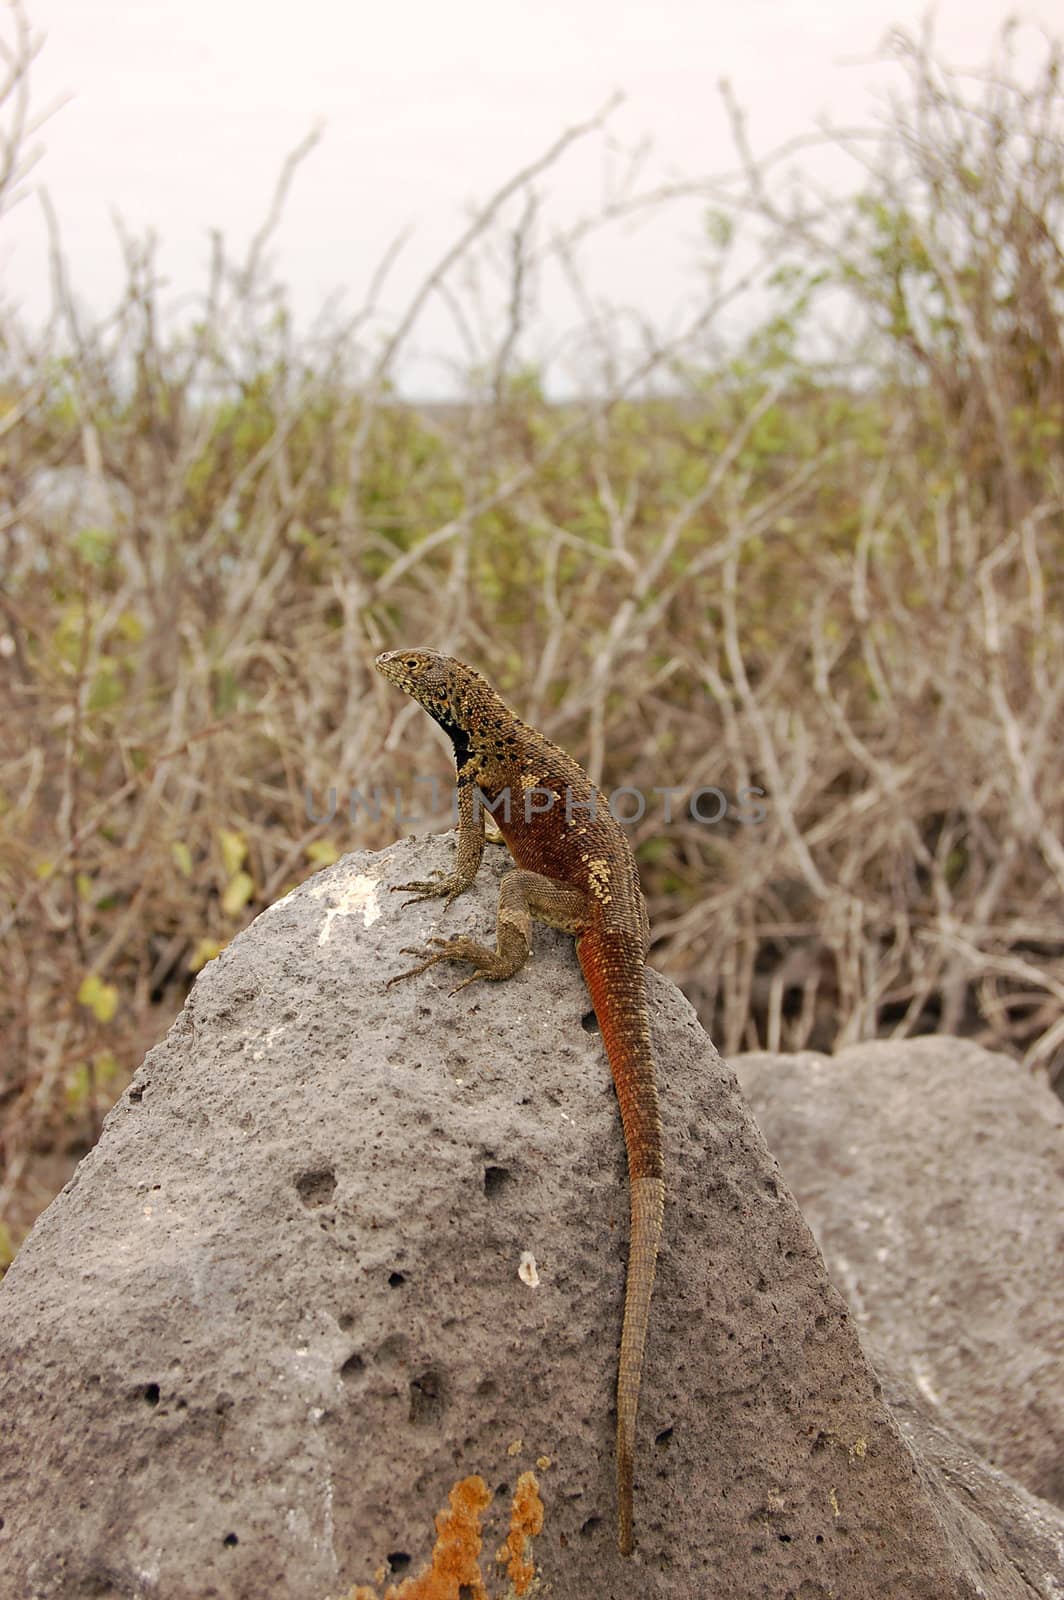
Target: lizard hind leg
point(522, 897)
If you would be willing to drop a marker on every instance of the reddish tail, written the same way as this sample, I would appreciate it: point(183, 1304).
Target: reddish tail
point(613, 968)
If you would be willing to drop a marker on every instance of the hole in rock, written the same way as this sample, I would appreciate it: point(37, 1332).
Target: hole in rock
point(426, 1397)
point(316, 1187)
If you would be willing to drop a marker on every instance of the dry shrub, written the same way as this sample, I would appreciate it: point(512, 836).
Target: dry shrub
point(830, 571)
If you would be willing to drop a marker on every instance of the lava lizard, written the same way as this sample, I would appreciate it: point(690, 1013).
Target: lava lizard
point(575, 871)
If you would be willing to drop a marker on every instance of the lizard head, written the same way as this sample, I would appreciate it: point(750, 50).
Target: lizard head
point(445, 687)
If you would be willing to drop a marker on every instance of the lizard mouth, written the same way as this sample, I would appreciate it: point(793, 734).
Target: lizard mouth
point(390, 665)
point(416, 673)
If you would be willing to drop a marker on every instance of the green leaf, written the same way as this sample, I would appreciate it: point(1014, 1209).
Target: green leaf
point(225, 691)
point(106, 690)
point(237, 893)
point(205, 951)
point(182, 857)
point(234, 849)
point(99, 997)
point(96, 545)
point(720, 228)
point(130, 627)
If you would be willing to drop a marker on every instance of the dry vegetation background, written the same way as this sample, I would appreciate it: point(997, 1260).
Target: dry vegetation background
point(822, 555)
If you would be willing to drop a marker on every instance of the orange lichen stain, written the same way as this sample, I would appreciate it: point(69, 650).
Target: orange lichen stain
point(526, 1520)
point(455, 1569)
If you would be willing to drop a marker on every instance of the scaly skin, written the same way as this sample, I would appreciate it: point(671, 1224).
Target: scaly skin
point(575, 871)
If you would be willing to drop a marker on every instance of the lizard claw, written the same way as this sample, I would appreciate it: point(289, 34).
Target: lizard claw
point(473, 976)
point(439, 886)
point(434, 878)
point(411, 972)
point(419, 950)
point(446, 886)
point(437, 949)
point(425, 959)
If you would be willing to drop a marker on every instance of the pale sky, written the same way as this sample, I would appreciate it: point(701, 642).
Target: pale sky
point(181, 112)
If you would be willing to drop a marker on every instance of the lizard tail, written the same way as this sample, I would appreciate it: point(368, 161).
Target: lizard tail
point(614, 972)
point(648, 1206)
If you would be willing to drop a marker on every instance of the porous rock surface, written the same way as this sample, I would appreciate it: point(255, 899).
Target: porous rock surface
point(287, 1304)
point(932, 1175)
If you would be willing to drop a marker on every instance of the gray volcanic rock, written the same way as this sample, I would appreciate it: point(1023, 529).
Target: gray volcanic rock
point(341, 1249)
point(932, 1174)
point(1032, 1530)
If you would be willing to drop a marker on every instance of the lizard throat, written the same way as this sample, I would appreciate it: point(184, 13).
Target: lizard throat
point(459, 737)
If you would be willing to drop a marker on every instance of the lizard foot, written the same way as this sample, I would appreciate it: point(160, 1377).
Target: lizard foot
point(458, 949)
point(434, 888)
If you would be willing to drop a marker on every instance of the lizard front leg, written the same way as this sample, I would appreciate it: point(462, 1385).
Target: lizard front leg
point(467, 861)
point(522, 897)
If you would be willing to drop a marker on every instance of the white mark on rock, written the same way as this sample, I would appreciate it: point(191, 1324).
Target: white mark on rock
point(358, 896)
point(527, 1270)
point(267, 1040)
